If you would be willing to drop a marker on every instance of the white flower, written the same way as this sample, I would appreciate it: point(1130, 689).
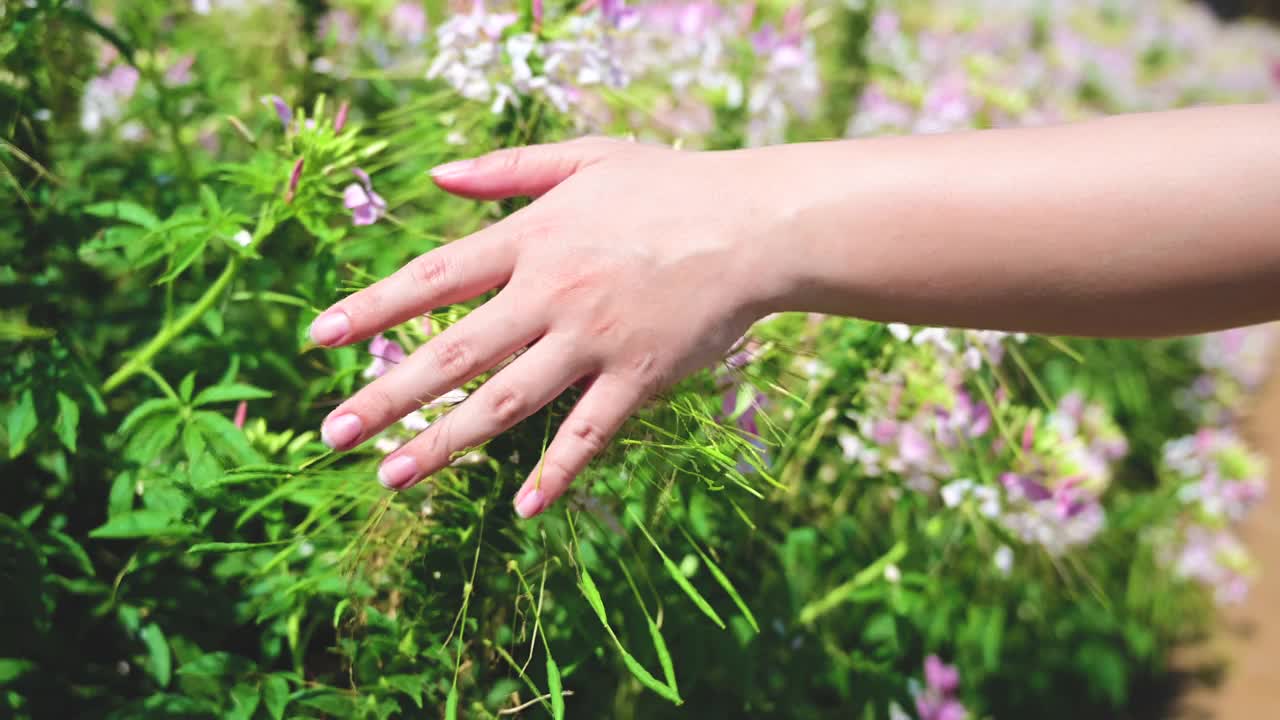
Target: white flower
point(892, 574)
point(900, 331)
point(1003, 559)
point(953, 493)
point(414, 422)
point(242, 238)
point(988, 501)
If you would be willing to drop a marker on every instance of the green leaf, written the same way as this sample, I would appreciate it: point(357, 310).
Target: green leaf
point(120, 500)
point(275, 696)
point(244, 701)
point(213, 321)
point(723, 580)
point(143, 411)
point(12, 668)
point(68, 421)
point(227, 438)
point(129, 212)
point(73, 549)
point(22, 421)
point(592, 594)
point(674, 571)
point(188, 250)
point(216, 547)
point(187, 386)
point(159, 662)
point(193, 443)
point(230, 393)
point(141, 524)
point(664, 655)
point(411, 685)
point(210, 202)
point(554, 688)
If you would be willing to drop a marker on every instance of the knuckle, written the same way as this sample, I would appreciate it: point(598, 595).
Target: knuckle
point(589, 436)
point(507, 406)
point(453, 357)
point(431, 269)
point(573, 284)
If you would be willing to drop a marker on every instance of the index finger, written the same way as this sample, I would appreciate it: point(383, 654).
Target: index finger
point(449, 274)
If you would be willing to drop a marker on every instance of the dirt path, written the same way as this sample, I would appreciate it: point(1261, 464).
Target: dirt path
point(1250, 642)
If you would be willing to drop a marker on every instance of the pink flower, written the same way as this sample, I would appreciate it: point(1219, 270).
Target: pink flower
point(180, 72)
point(939, 676)
point(340, 120)
point(366, 206)
point(386, 355)
point(242, 412)
point(294, 178)
point(409, 22)
point(282, 109)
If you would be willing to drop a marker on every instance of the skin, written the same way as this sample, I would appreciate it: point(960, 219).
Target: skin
point(638, 265)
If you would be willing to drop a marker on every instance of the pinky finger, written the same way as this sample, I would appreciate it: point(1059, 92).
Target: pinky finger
point(584, 434)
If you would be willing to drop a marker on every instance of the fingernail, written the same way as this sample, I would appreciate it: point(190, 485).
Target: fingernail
point(398, 472)
point(453, 168)
point(330, 328)
point(341, 431)
point(530, 504)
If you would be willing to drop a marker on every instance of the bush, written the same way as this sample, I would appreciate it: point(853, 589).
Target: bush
point(823, 525)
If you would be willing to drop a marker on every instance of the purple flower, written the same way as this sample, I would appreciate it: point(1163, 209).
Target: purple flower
point(932, 709)
point(294, 178)
point(409, 22)
point(938, 701)
point(282, 109)
point(386, 355)
point(939, 676)
point(180, 72)
point(1021, 487)
point(366, 206)
point(340, 120)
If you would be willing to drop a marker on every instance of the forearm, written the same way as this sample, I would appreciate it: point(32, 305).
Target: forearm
point(1136, 225)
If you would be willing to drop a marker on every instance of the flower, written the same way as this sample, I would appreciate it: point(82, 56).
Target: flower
point(283, 111)
point(366, 206)
point(242, 238)
point(105, 97)
point(242, 411)
point(180, 72)
point(386, 355)
point(938, 701)
point(340, 119)
point(1003, 559)
point(408, 22)
point(295, 176)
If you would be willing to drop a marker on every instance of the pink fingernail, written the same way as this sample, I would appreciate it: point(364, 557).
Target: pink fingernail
point(398, 472)
point(330, 328)
point(530, 504)
point(454, 168)
point(341, 432)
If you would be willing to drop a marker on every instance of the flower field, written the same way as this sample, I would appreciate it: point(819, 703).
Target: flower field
point(839, 519)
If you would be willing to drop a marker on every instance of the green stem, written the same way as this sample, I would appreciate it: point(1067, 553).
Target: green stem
point(169, 333)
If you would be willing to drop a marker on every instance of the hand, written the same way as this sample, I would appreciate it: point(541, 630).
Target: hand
point(636, 266)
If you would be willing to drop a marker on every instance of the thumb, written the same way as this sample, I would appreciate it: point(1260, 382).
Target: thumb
point(520, 171)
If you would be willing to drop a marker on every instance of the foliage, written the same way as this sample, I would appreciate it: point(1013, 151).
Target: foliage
point(789, 535)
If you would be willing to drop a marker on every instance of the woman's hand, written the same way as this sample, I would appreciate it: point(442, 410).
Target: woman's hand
point(630, 271)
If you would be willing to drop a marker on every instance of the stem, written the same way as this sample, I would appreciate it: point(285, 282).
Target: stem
point(169, 333)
